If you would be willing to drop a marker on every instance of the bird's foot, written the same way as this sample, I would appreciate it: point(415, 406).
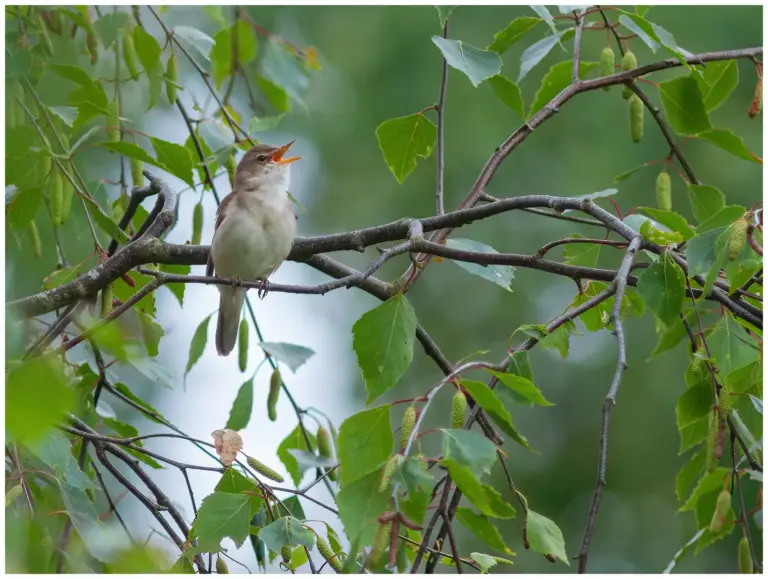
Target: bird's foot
point(236, 282)
point(263, 288)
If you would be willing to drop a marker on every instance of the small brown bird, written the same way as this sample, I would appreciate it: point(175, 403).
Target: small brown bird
point(255, 229)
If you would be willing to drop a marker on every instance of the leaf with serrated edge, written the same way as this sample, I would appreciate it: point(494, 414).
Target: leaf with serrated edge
point(476, 63)
point(365, 441)
point(403, 139)
point(545, 536)
point(383, 343)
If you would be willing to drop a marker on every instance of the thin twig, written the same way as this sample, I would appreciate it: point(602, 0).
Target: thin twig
point(440, 133)
point(620, 284)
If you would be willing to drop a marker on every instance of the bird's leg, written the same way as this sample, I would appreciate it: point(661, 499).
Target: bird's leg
point(236, 282)
point(264, 284)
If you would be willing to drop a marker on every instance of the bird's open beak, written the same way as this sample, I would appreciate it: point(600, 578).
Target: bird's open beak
point(278, 157)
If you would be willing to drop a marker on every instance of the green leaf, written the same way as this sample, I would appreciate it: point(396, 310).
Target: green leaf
point(652, 34)
point(72, 73)
point(487, 500)
point(286, 531)
point(545, 536)
point(109, 26)
point(36, 398)
point(671, 335)
point(705, 200)
point(523, 387)
point(662, 287)
point(55, 450)
point(292, 355)
point(693, 434)
point(124, 292)
point(418, 483)
point(731, 346)
point(514, 31)
point(707, 254)
point(557, 78)
point(674, 221)
point(241, 407)
point(443, 12)
point(177, 289)
point(82, 513)
point(132, 151)
point(508, 93)
point(147, 49)
point(276, 95)
point(694, 404)
point(295, 440)
point(256, 125)
point(709, 482)
point(723, 218)
point(658, 233)
point(383, 342)
point(728, 141)
point(23, 208)
point(151, 332)
point(546, 16)
point(469, 449)
point(365, 442)
point(690, 473)
point(222, 515)
point(717, 81)
point(501, 275)
point(176, 159)
point(360, 504)
point(584, 254)
point(536, 52)
point(476, 63)
point(196, 38)
point(197, 346)
point(105, 223)
point(558, 339)
point(66, 114)
point(627, 174)
point(741, 271)
point(489, 402)
point(403, 139)
point(483, 529)
point(684, 106)
point(240, 36)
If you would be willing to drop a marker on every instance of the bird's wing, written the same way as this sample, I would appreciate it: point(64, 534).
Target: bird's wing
point(220, 216)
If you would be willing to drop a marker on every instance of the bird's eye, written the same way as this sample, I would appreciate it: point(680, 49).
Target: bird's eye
point(261, 158)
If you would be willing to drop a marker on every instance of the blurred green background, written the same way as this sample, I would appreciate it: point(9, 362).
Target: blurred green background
point(378, 63)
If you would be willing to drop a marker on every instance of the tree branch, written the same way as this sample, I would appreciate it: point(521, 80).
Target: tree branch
point(620, 284)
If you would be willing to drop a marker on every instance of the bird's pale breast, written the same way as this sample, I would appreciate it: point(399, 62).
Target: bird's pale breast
point(253, 238)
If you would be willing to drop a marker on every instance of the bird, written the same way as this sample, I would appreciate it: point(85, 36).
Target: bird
point(255, 229)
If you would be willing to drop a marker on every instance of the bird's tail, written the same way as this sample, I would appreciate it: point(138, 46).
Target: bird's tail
point(230, 306)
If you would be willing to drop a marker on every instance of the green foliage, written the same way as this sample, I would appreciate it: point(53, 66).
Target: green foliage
point(403, 139)
point(292, 355)
point(545, 536)
point(365, 442)
point(684, 105)
point(502, 275)
point(477, 64)
point(383, 342)
point(662, 287)
point(240, 414)
point(82, 97)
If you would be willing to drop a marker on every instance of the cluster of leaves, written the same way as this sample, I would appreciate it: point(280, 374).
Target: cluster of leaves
point(382, 483)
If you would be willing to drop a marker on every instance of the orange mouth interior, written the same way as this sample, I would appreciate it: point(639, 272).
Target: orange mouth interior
point(278, 157)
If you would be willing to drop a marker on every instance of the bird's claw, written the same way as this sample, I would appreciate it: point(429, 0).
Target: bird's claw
point(263, 288)
point(236, 282)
